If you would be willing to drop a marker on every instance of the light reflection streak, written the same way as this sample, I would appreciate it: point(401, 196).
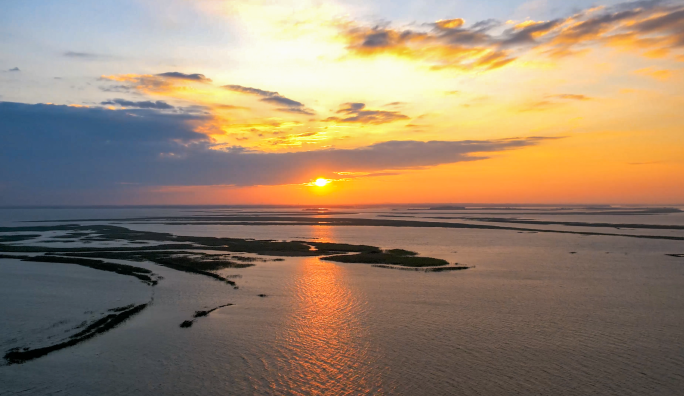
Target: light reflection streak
point(325, 347)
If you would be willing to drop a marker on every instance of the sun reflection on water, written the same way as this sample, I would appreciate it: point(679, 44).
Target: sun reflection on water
point(326, 343)
point(323, 233)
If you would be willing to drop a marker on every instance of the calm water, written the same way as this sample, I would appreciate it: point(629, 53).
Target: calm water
point(530, 318)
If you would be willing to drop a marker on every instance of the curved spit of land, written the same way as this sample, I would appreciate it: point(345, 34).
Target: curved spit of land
point(201, 314)
point(146, 276)
point(117, 317)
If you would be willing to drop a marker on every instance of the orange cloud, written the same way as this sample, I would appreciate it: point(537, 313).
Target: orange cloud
point(659, 74)
point(164, 83)
point(653, 29)
point(551, 101)
point(358, 114)
point(433, 49)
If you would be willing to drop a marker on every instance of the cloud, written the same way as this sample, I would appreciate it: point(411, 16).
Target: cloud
point(652, 28)
point(658, 74)
point(194, 109)
point(282, 101)
point(551, 101)
point(291, 106)
point(569, 97)
point(14, 69)
point(447, 45)
point(116, 88)
point(251, 91)
point(182, 76)
point(229, 107)
point(645, 163)
point(81, 55)
point(163, 83)
point(159, 105)
point(47, 148)
point(357, 113)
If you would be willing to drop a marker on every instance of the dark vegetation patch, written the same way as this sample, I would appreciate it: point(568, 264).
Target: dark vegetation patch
point(572, 223)
point(330, 247)
point(18, 238)
point(22, 355)
point(246, 259)
point(192, 262)
point(437, 269)
point(401, 252)
point(262, 295)
point(121, 309)
point(387, 258)
point(183, 259)
point(200, 314)
point(569, 211)
point(114, 233)
point(42, 249)
point(143, 274)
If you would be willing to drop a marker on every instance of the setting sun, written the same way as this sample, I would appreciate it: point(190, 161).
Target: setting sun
point(320, 182)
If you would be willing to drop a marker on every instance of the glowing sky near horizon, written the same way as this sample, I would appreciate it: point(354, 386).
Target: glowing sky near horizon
point(341, 102)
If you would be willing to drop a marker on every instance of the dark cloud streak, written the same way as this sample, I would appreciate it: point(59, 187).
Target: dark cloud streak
point(182, 76)
point(291, 106)
point(58, 148)
point(159, 105)
point(357, 113)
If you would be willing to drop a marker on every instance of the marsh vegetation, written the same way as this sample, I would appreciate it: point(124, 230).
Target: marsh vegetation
point(119, 315)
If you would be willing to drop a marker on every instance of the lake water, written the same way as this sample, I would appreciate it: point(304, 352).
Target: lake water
point(530, 317)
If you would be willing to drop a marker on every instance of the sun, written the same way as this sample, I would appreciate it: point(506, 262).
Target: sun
point(320, 182)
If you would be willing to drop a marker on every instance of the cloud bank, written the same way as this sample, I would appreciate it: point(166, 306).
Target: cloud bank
point(45, 147)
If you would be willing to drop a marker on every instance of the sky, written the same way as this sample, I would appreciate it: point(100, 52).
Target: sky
point(341, 102)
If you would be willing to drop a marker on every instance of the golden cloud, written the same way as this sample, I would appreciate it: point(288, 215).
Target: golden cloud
point(653, 29)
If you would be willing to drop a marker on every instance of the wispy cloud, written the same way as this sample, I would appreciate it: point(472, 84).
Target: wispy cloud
point(159, 105)
point(552, 101)
point(570, 97)
point(182, 76)
point(357, 113)
point(154, 83)
point(658, 74)
point(81, 55)
point(290, 105)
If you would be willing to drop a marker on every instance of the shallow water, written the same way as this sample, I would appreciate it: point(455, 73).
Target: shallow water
point(530, 318)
